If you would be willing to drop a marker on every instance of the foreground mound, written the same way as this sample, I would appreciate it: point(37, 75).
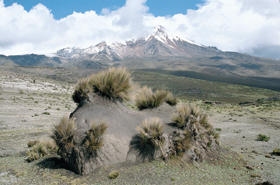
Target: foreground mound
point(102, 131)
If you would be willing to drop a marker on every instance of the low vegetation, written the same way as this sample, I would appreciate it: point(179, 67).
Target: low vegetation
point(63, 133)
point(185, 113)
point(114, 84)
point(276, 151)
point(113, 174)
point(94, 138)
point(262, 137)
point(40, 149)
point(146, 99)
point(151, 132)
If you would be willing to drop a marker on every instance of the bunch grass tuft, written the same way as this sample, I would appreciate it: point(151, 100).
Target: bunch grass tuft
point(63, 133)
point(94, 138)
point(151, 132)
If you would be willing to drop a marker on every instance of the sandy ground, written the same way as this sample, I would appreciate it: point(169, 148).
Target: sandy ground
point(22, 118)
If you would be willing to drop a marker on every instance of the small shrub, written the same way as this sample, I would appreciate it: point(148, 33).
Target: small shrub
point(151, 132)
point(63, 133)
point(36, 114)
point(262, 137)
point(46, 113)
point(35, 101)
point(218, 129)
point(209, 144)
point(276, 151)
point(21, 92)
point(113, 174)
point(94, 138)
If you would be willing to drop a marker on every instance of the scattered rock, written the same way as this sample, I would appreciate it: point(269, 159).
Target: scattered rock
point(249, 167)
point(267, 156)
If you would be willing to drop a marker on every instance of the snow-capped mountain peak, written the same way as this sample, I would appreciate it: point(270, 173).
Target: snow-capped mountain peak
point(158, 43)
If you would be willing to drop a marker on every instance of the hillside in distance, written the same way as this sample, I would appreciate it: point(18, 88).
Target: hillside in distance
point(157, 51)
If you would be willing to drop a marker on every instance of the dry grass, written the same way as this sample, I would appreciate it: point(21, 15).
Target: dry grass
point(40, 149)
point(114, 84)
point(170, 99)
point(82, 88)
point(32, 143)
point(205, 122)
point(181, 117)
point(147, 99)
point(151, 132)
point(63, 133)
point(185, 113)
point(94, 138)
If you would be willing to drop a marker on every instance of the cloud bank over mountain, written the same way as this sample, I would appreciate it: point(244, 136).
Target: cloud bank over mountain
point(249, 26)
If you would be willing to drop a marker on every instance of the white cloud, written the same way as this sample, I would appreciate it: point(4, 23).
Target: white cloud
point(250, 26)
point(37, 31)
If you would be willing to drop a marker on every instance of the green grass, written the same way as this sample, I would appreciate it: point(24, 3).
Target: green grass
point(262, 137)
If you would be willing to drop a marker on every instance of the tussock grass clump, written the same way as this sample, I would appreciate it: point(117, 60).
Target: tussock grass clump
point(170, 99)
point(205, 122)
point(262, 137)
point(82, 88)
point(185, 113)
point(276, 151)
point(40, 149)
point(94, 138)
point(63, 133)
point(114, 84)
point(151, 132)
point(147, 99)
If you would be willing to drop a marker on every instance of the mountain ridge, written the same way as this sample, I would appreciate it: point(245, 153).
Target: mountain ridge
point(156, 51)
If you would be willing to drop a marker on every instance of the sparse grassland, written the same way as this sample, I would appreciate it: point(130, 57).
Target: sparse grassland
point(18, 126)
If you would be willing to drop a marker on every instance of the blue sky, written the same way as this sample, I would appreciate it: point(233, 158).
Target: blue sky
point(45, 26)
point(62, 8)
